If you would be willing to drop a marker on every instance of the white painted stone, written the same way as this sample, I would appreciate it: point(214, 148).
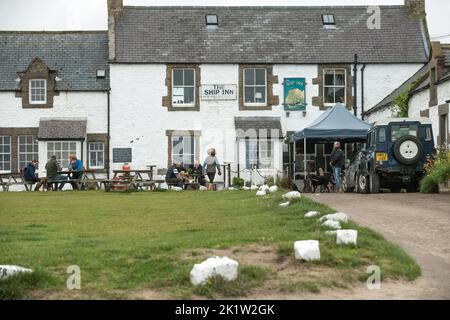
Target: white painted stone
point(264, 188)
point(202, 188)
point(284, 204)
point(175, 188)
point(260, 193)
point(245, 188)
point(254, 187)
point(346, 236)
point(291, 195)
point(311, 214)
point(273, 189)
point(330, 232)
point(307, 250)
point(212, 267)
point(338, 216)
point(232, 188)
point(332, 224)
point(7, 270)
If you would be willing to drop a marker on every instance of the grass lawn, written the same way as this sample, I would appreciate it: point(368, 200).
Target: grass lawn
point(131, 243)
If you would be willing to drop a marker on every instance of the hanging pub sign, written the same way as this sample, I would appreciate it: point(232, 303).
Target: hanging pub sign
point(218, 92)
point(294, 94)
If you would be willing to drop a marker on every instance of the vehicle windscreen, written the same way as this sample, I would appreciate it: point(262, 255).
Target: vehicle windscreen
point(400, 130)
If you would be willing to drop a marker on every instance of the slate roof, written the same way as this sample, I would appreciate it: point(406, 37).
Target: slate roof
point(244, 124)
point(62, 129)
point(267, 35)
point(75, 55)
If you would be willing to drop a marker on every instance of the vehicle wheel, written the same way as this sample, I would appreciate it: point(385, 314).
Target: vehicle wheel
point(374, 182)
point(412, 187)
point(363, 183)
point(407, 150)
point(345, 186)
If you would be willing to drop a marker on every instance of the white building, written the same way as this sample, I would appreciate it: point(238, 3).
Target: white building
point(184, 79)
point(52, 100)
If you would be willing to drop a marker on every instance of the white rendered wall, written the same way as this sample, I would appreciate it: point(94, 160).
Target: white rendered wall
point(90, 105)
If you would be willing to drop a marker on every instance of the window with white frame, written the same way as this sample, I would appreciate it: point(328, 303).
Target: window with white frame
point(334, 88)
point(258, 153)
point(183, 149)
point(183, 87)
point(255, 86)
point(5, 153)
point(38, 91)
point(96, 155)
point(62, 150)
point(28, 150)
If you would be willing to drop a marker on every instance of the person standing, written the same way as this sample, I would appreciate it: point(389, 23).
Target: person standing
point(337, 162)
point(211, 164)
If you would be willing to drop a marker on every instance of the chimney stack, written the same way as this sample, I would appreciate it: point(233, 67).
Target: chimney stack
point(115, 9)
point(415, 8)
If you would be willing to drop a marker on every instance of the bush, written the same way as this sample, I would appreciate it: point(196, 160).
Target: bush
point(284, 182)
point(270, 181)
point(238, 182)
point(438, 173)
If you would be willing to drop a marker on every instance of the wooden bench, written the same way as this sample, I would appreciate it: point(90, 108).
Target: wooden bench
point(10, 179)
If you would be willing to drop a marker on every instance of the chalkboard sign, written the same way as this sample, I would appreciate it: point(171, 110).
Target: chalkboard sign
point(122, 155)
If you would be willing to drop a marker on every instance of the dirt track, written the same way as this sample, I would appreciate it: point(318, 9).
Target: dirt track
point(419, 223)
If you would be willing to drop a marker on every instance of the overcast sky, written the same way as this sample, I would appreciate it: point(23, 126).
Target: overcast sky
point(92, 14)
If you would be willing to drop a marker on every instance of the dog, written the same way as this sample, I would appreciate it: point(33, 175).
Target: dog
point(323, 181)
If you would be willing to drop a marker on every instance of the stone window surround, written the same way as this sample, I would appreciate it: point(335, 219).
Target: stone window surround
point(37, 69)
point(319, 100)
point(443, 110)
point(270, 81)
point(98, 137)
point(167, 100)
point(193, 133)
point(14, 133)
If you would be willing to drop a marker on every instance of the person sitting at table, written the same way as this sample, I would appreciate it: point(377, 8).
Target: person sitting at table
point(76, 168)
point(30, 175)
point(52, 167)
point(211, 164)
point(197, 170)
point(173, 175)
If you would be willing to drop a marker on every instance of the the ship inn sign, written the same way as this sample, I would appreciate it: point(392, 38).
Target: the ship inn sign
point(218, 92)
point(294, 94)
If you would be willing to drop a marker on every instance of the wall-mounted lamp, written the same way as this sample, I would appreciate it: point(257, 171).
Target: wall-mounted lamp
point(288, 114)
point(304, 113)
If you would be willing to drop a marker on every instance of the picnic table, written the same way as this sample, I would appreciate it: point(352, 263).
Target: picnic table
point(9, 179)
point(131, 179)
point(87, 177)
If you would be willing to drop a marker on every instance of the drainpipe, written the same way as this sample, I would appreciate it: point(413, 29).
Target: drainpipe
point(108, 135)
point(355, 86)
point(362, 91)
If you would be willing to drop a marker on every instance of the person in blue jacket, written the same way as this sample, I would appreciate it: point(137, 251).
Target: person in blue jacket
point(76, 167)
point(30, 175)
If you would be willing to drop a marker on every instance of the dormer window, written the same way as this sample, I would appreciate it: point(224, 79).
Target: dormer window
point(38, 91)
point(328, 21)
point(212, 20)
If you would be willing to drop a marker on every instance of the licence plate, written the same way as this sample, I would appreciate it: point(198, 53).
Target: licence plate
point(382, 156)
